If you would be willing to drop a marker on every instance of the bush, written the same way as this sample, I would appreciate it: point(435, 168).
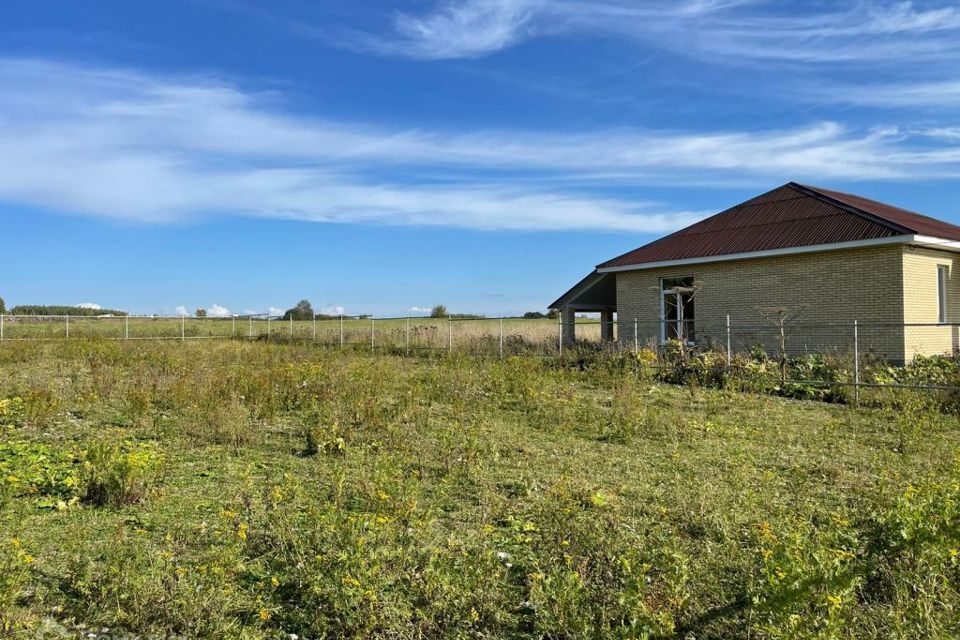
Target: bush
point(323, 439)
point(120, 473)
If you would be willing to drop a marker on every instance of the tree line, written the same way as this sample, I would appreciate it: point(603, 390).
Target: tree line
point(57, 310)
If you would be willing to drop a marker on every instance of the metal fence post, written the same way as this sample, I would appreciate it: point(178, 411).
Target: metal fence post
point(126, 327)
point(268, 326)
point(291, 326)
point(560, 333)
point(729, 352)
point(233, 326)
point(183, 328)
point(250, 330)
point(314, 327)
point(373, 343)
point(341, 330)
point(67, 317)
point(407, 343)
point(449, 335)
point(856, 364)
point(1, 326)
point(636, 336)
point(501, 336)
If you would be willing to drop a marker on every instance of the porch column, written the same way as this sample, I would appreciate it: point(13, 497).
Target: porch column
point(568, 325)
point(606, 325)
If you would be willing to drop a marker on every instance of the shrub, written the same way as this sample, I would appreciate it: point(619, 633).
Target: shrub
point(120, 473)
point(323, 439)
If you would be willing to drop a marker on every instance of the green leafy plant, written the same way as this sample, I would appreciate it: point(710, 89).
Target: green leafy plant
point(120, 473)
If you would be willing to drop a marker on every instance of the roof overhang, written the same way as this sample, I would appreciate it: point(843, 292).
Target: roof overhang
point(595, 292)
point(911, 239)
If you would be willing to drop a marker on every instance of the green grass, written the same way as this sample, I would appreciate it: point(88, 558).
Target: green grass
point(250, 490)
point(520, 335)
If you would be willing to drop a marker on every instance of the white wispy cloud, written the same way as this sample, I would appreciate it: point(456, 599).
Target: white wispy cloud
point(89, 305)
point(217, 311)
point(460, 29)
point(943, 94)
point(863, 31)
point(181, 311)
point(333, 310)
point(133, 146)
point(951, 134)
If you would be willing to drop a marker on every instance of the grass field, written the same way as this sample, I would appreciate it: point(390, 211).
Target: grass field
point(520, 335)
point(230, 489)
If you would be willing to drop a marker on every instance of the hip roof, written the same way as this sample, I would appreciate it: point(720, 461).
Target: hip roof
point(790, 216)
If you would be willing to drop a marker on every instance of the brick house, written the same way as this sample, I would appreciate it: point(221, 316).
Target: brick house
point(831, 257)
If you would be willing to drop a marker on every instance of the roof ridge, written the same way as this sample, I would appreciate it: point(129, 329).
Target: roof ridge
point(679, 232)
point(818, 193)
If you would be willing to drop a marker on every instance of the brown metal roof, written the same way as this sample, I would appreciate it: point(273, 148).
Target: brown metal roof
point(915, 222)
point(790, 216)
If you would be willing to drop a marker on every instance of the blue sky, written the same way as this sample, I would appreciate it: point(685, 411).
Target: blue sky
point(378, 157)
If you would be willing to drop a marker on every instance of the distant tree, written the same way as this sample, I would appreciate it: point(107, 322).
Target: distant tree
point(3, 306)
point(61, 310)
point(303, 311)
point(553, 314)
point(439, 311)
point(201, 313)
point(534, 315)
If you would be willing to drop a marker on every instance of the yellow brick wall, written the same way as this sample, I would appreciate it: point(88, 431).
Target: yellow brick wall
point(839, 286)
point(921, 306)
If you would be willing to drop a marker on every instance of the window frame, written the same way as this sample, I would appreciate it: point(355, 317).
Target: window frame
point(663, 308)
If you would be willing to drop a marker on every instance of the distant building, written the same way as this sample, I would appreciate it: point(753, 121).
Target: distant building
point(838, 256)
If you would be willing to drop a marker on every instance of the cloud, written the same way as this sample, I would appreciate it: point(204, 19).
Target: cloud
point(951, 134)
point(941, 94)
point(275, 311)
point(419, 309)
point(217, 311)
point(131, 146)
point(746, 29)
point(89, 305)
point(458, 29)
point(333, 310)
point(181, 311)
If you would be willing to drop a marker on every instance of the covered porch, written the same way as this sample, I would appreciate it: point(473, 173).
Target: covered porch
point(595, 293)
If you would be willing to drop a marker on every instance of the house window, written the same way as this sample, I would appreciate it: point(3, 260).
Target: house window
point(677, 309)
point(942, 273)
